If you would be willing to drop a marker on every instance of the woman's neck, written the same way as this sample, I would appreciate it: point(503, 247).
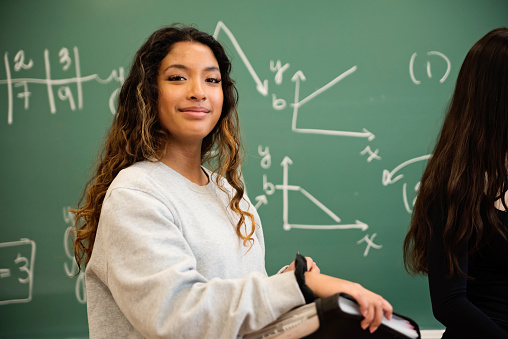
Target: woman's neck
point(187, 162)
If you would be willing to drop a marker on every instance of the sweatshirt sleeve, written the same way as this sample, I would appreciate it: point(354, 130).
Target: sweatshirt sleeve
point(450, 304)
point(151, 273)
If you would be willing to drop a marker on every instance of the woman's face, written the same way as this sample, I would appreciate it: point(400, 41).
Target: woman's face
point(190, 92)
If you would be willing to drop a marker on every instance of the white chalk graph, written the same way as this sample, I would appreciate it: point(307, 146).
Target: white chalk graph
point(286, 187)
point(297, 78)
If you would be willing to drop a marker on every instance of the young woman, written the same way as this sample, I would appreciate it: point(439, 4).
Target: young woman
point(459, 229)
point(171, 248)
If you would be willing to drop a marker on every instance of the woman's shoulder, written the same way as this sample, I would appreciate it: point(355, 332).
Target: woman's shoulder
point(135, 174)
point(148, 176)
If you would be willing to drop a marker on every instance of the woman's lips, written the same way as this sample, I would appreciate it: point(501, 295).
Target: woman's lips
point(196, 112)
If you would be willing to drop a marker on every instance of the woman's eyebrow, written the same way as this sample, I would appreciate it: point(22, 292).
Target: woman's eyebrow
point(183, 67)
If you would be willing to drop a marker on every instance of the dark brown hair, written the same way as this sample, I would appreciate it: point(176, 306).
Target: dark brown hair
point(468, 170)
point(136, 134)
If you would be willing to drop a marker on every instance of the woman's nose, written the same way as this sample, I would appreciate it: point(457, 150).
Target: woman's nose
point(196, 91)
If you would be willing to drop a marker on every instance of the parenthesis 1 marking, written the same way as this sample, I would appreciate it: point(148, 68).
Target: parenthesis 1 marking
point(404, 197)
point(411, 69)
point(448, 64)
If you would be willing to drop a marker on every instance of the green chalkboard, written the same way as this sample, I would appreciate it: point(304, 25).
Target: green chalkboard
point(340, 104)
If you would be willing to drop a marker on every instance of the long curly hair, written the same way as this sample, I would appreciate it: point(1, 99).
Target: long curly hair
point(136, 135)
point(468, 171)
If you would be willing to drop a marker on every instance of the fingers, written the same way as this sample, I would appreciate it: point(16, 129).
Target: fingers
point(378, 317)
point(310, 262)
point(311, 266)
point(388, 310)
point(373, 307)
point(315, 269)
point(367, 311)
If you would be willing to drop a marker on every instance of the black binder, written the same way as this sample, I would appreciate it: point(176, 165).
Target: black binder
point(337, 321)
point(334, 317)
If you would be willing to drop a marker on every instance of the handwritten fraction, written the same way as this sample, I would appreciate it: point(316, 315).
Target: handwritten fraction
point(67, 89)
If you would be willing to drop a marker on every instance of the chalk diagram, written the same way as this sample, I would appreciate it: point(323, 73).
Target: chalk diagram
point(269, 189)
point(63, 91)
point(280, 69)
point(286, 187)
point(16, 271)
point(297, 78)
point(70, 91)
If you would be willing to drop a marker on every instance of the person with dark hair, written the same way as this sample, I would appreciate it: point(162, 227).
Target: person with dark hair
point(459, 228)
point(173, 249)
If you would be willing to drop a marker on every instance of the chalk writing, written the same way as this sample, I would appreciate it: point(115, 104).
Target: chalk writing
point(269, 189)
point(370, 243)
point(260, 200)
point(372, 155)
point(16, 271)
point(409, 208)
point(285, 187)
point(429, 72)
point(74, 98)
point(266, 161)
point(261, 86)
point(277, 103)
point(388, 179)
point(297, 78)
point(70, 267)
point(279, 69)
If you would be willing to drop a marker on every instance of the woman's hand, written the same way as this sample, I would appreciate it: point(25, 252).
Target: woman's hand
point(372, 305)
point(311, 266)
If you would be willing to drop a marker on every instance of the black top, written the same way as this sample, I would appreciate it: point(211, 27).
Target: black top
point(478, 307)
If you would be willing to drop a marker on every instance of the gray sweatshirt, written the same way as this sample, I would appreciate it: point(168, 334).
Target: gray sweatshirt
point(167, 263)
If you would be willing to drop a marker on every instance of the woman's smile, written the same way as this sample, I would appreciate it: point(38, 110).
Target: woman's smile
point(196, 112)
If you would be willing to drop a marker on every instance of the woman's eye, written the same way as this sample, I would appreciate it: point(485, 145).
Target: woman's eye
point(213, 80)
point(175, 78)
